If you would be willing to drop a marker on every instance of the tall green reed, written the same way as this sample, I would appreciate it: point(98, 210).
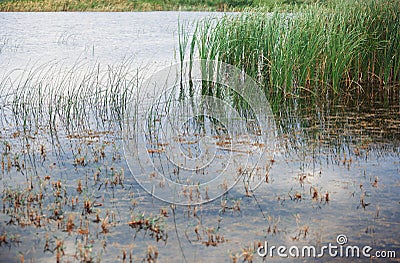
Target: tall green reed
point(316, 49)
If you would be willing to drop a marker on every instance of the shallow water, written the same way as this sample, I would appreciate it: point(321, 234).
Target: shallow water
point(71, 196)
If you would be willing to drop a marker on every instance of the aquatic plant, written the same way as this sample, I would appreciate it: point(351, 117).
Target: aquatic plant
point(318, 49)
point(82, 97)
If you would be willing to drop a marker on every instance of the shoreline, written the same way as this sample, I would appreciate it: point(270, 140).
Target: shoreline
point(136, 6)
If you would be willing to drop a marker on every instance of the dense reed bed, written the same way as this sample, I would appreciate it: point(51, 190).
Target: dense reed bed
point(322, 49)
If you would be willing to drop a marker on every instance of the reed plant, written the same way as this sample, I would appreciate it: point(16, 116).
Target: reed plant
point(72, 99)
point(316, 49)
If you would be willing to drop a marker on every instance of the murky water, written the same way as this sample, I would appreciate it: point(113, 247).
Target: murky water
point(71, 196)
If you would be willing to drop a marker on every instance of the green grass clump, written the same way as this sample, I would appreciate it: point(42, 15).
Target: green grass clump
point(316, 49)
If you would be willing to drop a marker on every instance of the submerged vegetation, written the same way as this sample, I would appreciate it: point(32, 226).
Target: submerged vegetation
point(334, 48)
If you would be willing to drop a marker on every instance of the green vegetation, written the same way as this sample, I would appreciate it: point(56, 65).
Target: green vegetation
point(143, 5)
point(315, 51)
point(331, 48)
point(82, 97)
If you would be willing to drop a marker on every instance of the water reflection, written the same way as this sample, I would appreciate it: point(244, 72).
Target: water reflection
point(337, 172)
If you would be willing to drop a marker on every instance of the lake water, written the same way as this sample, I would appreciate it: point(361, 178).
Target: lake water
point(72, 197)
point(149, 37)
